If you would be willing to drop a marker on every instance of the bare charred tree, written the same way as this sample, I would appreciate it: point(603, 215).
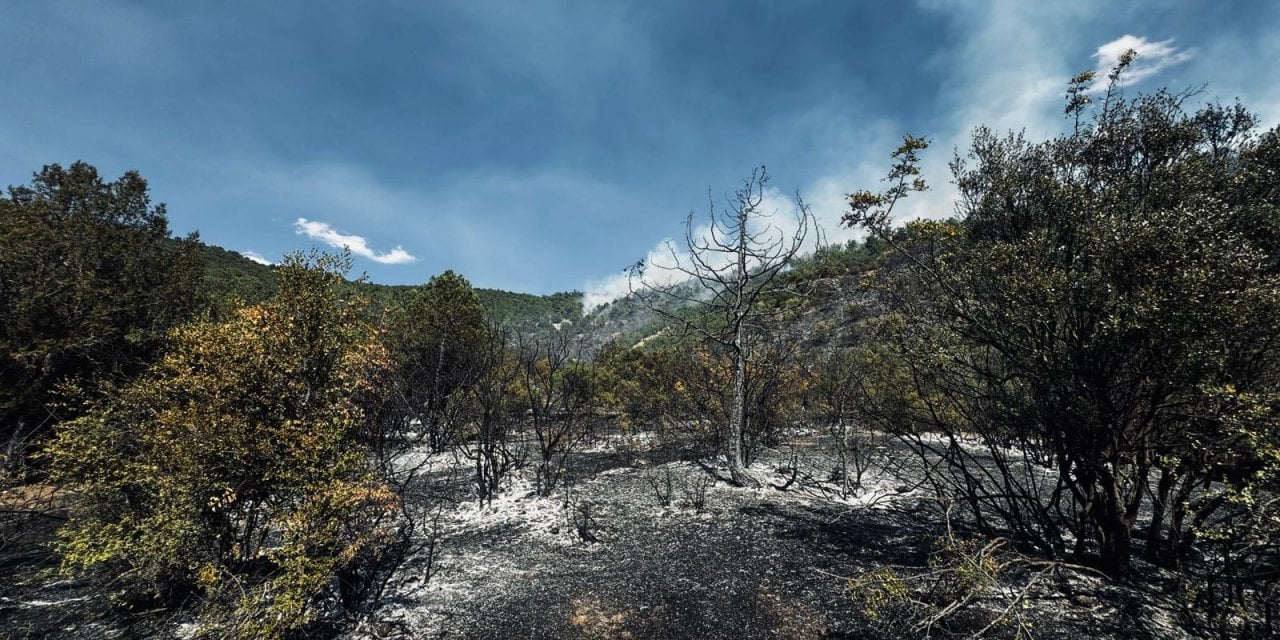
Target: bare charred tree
point(558, 387)
point(493, 450)
point(422, 498)
point(772, 392)
point(834, 393)
point(716, 281)
point(662, 481)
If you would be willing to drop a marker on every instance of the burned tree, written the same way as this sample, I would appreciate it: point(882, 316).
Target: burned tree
point(1100, 319)
point(714, 283)
point(492, 448)
point(558, 387)
point(836, 387)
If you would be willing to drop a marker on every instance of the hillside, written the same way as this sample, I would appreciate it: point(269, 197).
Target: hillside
point(529, 310)
point(811, 298)
point(628, 322)
point(231, 275)
point(228, 274)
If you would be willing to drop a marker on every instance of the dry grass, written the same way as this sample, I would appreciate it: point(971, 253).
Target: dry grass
point(597, 621)
point(34, 498)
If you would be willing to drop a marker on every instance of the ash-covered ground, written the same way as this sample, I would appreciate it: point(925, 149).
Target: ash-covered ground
point(730, 562)
point(602, 557)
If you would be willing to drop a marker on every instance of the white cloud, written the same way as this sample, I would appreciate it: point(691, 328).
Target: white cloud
point(450, 220)
point(603, 291)
point(662, 268)
point(1010, 70)
point(1153, 57)
point(1009, 73)
point(322, 232)
point(256, 257)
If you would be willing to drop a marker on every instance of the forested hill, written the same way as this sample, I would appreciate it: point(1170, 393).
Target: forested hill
point(228, 274)
point(808, 300)
point(523, 309)
point(231, 275)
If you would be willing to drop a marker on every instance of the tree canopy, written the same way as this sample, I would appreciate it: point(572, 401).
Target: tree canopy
point(437, 338)
point(90, 282)
point(1104, 301)
point(234, 468)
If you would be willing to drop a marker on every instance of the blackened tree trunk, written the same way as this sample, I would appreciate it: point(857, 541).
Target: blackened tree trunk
point(721, 273)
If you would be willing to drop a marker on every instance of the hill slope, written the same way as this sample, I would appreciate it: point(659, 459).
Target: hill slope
point(810, 302)
point(229, 274)
point(627, 321)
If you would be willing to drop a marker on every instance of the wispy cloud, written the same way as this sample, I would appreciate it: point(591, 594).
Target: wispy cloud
point(1009, 69)
point(256, 257)
point(1153, 57)
point(322, 232)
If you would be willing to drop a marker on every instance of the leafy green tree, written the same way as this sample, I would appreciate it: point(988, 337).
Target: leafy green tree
point(526, 312)
point(639, 386)
point(437, 338)
point(1099, 293)
point(230, 278)
point(90, 282)
point(236, 468)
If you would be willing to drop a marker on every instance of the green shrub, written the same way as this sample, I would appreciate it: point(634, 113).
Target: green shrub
point(234, 469)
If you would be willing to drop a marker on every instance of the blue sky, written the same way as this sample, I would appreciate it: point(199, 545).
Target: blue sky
point(543, 146)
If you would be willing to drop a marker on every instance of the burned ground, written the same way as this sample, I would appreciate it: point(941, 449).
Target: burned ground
point(35, 602)
point(602, 558)
point(754, 563)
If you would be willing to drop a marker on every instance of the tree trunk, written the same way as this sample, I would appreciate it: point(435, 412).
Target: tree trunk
point(737, 415)
point(1115, 530)
point(1116, 549)
point(436, 436)
point(1155, 538)
point(843, 446)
